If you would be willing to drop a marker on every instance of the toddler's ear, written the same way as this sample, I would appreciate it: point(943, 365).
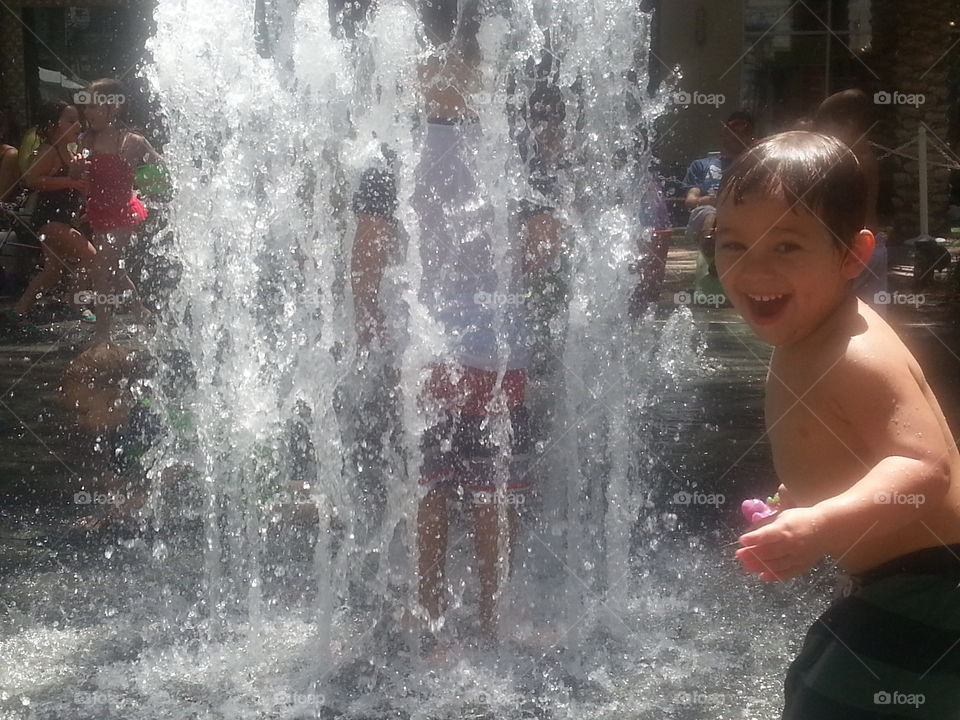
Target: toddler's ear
point(857, 257)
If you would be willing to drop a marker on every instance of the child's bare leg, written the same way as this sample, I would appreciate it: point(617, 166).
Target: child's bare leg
point(106, 274)
point(80, 283)
point(513, 528)
point(101, 287)
point(486, 539)
point(43, 281)
point(74, 294)
point(127, 291)
point(432, 526)
point(61, 245)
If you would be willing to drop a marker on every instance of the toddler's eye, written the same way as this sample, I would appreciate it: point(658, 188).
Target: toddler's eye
point(788, 247)
point(731, 246)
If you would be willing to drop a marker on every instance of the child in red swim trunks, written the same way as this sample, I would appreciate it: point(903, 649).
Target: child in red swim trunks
point(113, 209)
point(459, 455)
point(473, 391)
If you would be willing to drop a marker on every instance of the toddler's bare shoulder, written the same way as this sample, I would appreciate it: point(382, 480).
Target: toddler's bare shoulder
point(875, 364)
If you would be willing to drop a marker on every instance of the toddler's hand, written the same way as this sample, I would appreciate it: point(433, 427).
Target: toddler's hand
point(788, 546)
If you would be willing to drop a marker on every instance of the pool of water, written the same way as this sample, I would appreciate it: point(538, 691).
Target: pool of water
point(113, 624)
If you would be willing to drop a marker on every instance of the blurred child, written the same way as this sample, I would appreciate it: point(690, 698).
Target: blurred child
point(848, 116)
point(9, 157)
point(113, 210)
point(465, 389)
point(55, 174)
point(98, 387)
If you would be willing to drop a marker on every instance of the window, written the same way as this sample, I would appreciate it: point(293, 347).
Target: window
point(800, 51)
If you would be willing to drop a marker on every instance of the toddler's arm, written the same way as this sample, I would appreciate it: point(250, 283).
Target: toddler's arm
point(904, 451)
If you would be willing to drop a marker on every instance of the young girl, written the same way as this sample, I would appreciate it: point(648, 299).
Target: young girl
point(113, 210)
point(55, 173)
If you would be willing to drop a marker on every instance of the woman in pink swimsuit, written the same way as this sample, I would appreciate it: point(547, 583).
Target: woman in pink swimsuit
point(113, 209)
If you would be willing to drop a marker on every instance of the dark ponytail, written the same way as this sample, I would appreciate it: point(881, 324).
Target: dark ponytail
point(48, 115)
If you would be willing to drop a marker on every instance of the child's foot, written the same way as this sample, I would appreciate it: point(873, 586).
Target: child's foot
point(435, 650)
point(487, 632)
point(84, 315)
point(434, 644)
point(479, 637)
point(66, 311)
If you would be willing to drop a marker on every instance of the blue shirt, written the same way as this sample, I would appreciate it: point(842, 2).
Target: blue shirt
point(705, 174)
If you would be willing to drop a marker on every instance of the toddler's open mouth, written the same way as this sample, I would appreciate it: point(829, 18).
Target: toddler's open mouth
point(767, 308)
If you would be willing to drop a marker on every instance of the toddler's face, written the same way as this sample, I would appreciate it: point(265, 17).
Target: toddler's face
point(781, 269)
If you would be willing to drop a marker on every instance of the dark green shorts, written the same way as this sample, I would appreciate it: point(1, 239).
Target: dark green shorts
point(889, 648)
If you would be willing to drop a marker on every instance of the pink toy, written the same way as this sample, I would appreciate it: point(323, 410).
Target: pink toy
point(756, 510)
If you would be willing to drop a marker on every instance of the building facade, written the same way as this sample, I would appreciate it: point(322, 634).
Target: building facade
point(50, 47)
point(776, 58)
point(780, 58)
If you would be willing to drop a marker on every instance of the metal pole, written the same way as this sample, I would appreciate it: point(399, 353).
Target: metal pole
point(826, 37)
point(922, 153)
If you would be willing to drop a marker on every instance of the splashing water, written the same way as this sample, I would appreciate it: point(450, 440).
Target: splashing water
point(273, 582)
